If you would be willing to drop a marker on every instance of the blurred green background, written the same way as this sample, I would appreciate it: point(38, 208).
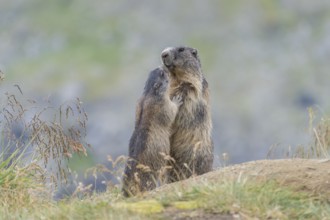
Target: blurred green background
point(266, 63)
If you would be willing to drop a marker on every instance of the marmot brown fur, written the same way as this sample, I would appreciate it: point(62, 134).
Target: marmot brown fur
point(191, 143)
point(149, 146)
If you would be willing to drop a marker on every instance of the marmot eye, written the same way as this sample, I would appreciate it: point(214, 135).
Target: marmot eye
point(156, 85)
point(181, 49)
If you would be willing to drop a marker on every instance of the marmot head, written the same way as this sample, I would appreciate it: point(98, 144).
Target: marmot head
point(157, 82)
point(181, 61)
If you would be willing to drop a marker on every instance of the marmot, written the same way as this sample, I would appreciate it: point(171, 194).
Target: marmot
point(191, 142)
point(149, 146)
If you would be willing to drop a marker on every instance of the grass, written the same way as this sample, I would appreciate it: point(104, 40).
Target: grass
point(321, 135)
point(30, 174)
point(246, 199)
point(319, 131)
point(34, 151)
point(250, 199)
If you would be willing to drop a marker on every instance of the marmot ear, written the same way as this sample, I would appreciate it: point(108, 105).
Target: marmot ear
point(181, 49)
point(194, 52)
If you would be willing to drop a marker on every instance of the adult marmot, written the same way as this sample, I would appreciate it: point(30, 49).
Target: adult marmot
point(149, 146)
point(191, 143)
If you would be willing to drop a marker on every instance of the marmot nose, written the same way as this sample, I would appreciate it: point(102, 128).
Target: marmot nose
point(165, 54)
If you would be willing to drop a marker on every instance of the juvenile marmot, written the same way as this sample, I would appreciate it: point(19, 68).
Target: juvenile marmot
point(150, 143)
point(191, 143)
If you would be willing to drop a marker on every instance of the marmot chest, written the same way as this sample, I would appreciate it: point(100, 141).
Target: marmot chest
point(193, 110)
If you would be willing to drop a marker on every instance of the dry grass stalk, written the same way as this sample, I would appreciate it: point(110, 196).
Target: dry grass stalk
point(47, 142)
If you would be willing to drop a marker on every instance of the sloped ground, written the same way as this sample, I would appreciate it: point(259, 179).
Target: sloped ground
point(309, 175)
point(301, 174)
point(266, 189)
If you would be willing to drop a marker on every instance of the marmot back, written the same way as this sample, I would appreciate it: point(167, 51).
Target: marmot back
point(150, 144)
point(191, 142)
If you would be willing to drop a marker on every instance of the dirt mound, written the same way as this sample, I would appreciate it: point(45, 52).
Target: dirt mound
point(310, 175)
point(301, 174)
